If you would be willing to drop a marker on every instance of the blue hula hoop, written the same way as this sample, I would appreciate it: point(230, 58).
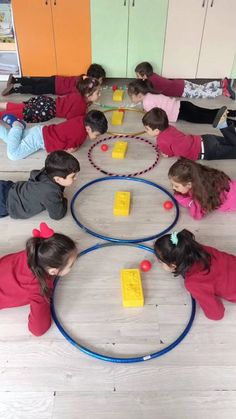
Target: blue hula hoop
point(107, 358)
point(115, 239)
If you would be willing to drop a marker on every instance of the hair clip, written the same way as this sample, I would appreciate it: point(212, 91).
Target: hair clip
point(174, 238)
point(44, 231)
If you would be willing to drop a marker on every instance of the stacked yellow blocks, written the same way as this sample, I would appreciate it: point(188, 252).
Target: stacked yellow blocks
point(117, 117)
point(131, 285)
point(119, 149)
point(122, 203)
point(118, 95)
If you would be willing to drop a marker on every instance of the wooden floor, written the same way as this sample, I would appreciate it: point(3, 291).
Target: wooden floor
point(48, 378)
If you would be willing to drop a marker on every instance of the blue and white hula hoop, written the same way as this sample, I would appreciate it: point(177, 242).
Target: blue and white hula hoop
point(127, 360)
point(115, 239)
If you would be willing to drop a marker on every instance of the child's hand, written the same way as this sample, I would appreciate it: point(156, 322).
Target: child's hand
point(164, 155)
point(72, 150)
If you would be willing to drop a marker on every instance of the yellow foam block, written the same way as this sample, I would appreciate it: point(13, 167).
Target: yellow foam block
point(118, 95)
point(121, 203)
point(117, 118)
point(119, 149)
point(132, 291)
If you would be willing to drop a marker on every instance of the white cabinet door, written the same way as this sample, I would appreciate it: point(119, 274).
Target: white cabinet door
point(185, 23)
point(219, 40)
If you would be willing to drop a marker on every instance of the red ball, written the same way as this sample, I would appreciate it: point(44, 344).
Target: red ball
point(168, 205)
point(145, 265)
point(104, 147)
point(114, 87)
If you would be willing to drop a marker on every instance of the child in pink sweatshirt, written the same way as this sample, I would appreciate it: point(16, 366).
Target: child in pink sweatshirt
point(142, 91)
point(202, 189)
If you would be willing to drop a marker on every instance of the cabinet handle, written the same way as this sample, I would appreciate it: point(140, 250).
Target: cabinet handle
point(203, 3)
point(124, 2)
point(46, 2)
point(133, 3)
point(212, 3)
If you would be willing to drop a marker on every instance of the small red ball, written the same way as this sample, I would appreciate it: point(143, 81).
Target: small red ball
point(168, 205)
point(104, 147)
point(114, 87)
point(145, 265)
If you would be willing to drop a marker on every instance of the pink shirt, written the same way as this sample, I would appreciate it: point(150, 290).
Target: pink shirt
point(168, 104)
point(195, 210)
point(175, 143)
point(168, 87)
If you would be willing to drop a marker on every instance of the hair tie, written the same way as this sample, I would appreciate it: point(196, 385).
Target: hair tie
point(44, 231)
point(174, 238)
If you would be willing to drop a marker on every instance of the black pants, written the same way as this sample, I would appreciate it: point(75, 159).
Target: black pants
point(192, 113)
point(5, 185)
point(218, 148)
point(36, 85)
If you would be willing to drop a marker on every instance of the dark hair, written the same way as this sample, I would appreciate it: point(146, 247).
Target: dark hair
point(144, 69)
point(140, 86)
point(97, 121)
point(53, 252)
point(96, 71)
point(60, 163)
point(209, 186)
point(184, 254)
point(87, 85)
point(156, 118)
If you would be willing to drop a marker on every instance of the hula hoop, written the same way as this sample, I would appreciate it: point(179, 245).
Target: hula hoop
point(127, 360)
point(126, 133)
point(115, 239)
point(125, 136)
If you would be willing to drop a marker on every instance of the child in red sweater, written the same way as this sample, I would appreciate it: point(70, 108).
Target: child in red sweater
point(184, 88)
point(172, 142)
point(55, 85)
point(202, 189)
point(68, 135)
point(42, 108)
point(209, 274)
point(27, 276)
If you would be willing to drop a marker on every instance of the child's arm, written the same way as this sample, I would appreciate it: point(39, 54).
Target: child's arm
point(40, 315)
point(210, 304)
point(194, 207)
point(56, 204)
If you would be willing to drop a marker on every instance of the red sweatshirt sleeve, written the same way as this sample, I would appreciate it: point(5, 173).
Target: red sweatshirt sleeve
point(40, 315)
point(210, 304)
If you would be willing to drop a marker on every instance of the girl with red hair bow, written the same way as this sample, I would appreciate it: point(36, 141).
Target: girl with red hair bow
point(27, 276)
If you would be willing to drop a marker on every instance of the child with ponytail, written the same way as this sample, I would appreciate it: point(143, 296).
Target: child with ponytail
point(142, 91)
point(27, 276)
point(43, 108)
point(54, 85)
point(202, 189)
point(209, 274)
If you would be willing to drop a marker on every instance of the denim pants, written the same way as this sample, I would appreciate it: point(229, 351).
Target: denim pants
point(5, 185)
point(22, 142)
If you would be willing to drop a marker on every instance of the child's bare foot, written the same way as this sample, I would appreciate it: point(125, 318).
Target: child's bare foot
point(220, 120)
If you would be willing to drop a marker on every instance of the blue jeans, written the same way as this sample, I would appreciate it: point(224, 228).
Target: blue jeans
point(22, 142)
point(5, 185)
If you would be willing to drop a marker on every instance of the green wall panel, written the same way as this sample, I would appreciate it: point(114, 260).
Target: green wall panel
point(147, 25)
point(109, 31)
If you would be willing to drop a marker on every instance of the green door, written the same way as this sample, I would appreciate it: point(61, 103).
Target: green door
point(147, 25)
point(109, 32)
